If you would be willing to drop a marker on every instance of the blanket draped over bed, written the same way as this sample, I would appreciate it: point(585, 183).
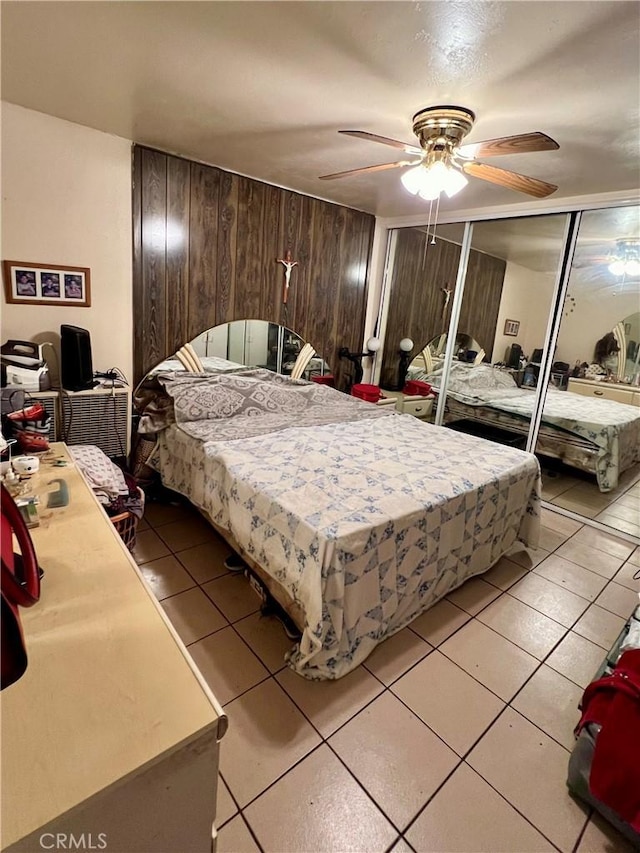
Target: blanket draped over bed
point(612, 427)
point(366, 517)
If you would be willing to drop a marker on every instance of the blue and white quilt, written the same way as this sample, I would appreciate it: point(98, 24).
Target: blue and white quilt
point(366, 519)
point(612, 427)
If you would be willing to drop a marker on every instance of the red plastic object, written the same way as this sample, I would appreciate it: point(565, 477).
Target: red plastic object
point(327, 379)
point(31, 413)
point(415, 388)
point(370, 393)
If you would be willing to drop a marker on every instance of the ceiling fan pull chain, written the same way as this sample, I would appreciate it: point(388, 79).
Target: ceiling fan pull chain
point(426, 238)
point(435, 221)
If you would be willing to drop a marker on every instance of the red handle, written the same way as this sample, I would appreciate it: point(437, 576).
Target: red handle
point(27, 592)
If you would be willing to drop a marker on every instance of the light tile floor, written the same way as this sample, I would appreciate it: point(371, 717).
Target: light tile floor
point(454, 735)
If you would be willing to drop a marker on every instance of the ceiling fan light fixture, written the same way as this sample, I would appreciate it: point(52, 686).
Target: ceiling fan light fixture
point(626, 259)
point(428, 181)
point(617, 268)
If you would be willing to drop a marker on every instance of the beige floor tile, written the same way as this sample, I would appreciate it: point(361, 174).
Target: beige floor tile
point(234, 837)
point(576, 658)
point(560, 523)
point(227, 665)
point(618, 599)
point(329, 704)
point(166, 576)
point(179, 535)
point(629, 576)
point(527, 628)
point(143, 525)
point(395, 655)
point(528, 558)
point(473, 595)
point(157, 514)
point(529, 769)
point(449, 701)
point(267, 735)
point(205, 562)
point(600, 626)
point(266, 637)
point(318, 806)
point(401, 846)
point(439, 622)
point(626, 513)
point(149, 546)
point(495, 662)
point(570, 576)
point(468, 815)
point(193, 615)
point(577, 505)
point(589, 494)
point(551, 539)
point(225, 808)
point(600, 836)
point(504, 574)
point(550, 701)
point(232, 595)
point(388, 735)
point(629, 500)
point(620, 524)
point(547, 597)
point(634, 557)
point(589, 556)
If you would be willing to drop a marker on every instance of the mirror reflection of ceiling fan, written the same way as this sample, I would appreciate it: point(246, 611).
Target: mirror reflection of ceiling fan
point(441, 163)
point(623, 259)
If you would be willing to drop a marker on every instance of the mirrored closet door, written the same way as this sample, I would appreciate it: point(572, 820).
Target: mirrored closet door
point(594, 383)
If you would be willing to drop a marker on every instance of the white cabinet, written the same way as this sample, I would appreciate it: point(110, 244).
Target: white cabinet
point(628, 394)
point(112, 733)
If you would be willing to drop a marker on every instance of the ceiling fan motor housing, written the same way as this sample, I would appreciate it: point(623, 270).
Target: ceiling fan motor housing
point(442, 127)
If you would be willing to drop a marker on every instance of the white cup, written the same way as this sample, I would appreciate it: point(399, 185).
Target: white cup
point(26, 465)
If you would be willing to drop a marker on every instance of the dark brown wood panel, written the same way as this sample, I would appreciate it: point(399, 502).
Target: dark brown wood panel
point(481, 299)
point(203, 249)
point(178, 207)
point(417, 303)
point(226, 268)
point(153, 207)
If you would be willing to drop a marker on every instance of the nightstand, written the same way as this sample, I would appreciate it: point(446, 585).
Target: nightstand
point(418, 406)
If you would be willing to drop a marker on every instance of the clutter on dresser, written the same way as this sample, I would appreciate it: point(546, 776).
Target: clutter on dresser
point(117, 491)
point(25, 420)
point(24, 366)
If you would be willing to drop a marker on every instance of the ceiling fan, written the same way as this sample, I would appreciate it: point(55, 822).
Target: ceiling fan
point(441, 163)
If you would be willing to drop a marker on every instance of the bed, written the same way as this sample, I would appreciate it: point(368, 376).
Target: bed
point(357, 518)
point(601, 437)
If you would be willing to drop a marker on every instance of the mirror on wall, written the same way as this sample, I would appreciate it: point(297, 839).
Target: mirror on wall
point(249, 343)
point(595, 380)
point(506, 303)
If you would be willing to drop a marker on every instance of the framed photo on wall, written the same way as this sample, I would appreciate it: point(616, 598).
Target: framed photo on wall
point(511, 327)
point(26, 283)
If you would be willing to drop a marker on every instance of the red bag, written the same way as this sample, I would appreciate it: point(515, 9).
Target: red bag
point(20, 586)
point(613, 702)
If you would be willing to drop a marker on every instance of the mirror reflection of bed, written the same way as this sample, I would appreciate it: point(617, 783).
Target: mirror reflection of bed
point(310, 487)
point(590, 466)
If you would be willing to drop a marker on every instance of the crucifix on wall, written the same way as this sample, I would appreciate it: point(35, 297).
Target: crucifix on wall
point(288, 265)
point(446, 292)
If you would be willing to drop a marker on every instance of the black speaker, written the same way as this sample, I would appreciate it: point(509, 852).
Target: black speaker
point(514, 353)
point(76, 368)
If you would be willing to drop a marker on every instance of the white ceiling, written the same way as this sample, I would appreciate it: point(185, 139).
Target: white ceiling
point(261, 88)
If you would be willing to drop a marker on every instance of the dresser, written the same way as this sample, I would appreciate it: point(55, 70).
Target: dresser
point(418, 406)
point(629, 394)
point(112, 735)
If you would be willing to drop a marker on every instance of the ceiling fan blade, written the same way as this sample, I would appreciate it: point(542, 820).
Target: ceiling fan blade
point(373, 137)
point(379, 168)
point(512, 180)
point(523, 143)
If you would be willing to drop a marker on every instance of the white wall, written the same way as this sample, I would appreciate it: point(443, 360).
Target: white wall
point(590, 320)
point(526, 297)
point(66, 199)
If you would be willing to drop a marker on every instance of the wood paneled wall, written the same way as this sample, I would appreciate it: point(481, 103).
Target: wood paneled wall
point(206, 243)
point(416, 300)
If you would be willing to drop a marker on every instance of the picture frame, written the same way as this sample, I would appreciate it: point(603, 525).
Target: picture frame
point(511, 328)
point(28, 283)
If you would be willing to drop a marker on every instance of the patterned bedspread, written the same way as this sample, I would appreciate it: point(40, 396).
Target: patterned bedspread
point(365, 522)
point(613, 427)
